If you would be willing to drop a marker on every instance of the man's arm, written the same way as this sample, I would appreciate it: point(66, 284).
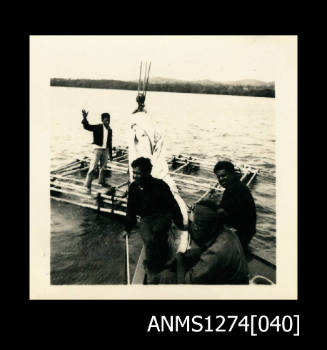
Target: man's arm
point(204, 269)
point(85, 122)
point(186, 261)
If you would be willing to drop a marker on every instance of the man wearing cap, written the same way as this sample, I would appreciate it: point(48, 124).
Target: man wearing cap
point(216, 255)
point(102, 141)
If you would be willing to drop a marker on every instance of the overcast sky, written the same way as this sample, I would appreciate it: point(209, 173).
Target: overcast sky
point(218, 58)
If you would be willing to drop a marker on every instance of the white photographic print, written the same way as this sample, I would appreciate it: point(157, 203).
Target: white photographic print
point(163, 167)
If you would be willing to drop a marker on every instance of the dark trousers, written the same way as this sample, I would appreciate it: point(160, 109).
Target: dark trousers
point(154, 233)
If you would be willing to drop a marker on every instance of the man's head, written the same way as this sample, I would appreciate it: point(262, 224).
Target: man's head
point(204, 224)
point(141, 170)
point(105, 117)
point(225, 173)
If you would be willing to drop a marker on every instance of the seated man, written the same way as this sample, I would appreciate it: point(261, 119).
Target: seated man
point(237, 208)
point(152, 200)
point(216, 255)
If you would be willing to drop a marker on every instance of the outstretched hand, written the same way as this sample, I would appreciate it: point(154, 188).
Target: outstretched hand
point(84, 113)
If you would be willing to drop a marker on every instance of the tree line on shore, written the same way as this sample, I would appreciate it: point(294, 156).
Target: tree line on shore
point(189, 87)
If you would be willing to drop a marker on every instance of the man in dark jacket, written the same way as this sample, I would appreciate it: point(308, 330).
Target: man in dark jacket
point(153, 201)
point(102, 141)
point(236, 208)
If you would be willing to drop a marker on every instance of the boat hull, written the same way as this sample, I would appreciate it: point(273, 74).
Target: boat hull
point(257, 268)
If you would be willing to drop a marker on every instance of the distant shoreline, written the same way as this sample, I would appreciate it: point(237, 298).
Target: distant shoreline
point(184, 87)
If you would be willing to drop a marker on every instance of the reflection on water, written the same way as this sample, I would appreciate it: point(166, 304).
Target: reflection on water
point(85, 247)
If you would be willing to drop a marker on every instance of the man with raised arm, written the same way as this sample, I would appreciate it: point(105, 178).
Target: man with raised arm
point(102, 149)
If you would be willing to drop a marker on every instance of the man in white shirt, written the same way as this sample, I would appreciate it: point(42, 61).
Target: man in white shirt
point(102, 141)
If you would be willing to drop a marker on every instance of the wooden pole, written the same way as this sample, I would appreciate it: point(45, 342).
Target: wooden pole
point(252, 177)
point(138, 88)
point(65, 178)
point(127, 260)
point(74, 171)
point(119, 164)
point(192, 177)
point(147, 81)
point(144, 77)
point(123, 156)
point(66, 184)
point(122, 184)
point(87, 205)
point(81, 190)
point(199, 185)
point(205, 194)
point(67, 166)
point(72, 193)
point(179, 168)
point(211, 163)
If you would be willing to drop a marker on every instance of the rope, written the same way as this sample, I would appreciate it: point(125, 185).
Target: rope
point(258, 278)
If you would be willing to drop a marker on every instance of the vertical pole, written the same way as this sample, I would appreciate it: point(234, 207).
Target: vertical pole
point(138, 88)
point(127, 260)
point(144, 77)
point(147, 81)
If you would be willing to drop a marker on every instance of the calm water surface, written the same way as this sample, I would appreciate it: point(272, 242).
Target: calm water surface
point(85, 248)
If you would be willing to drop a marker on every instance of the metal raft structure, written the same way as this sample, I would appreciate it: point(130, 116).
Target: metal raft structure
point(193, 176)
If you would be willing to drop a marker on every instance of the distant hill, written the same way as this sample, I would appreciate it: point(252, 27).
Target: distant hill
point(249, 82)
point(206, 82)
point(160, 80)
point(247, 87)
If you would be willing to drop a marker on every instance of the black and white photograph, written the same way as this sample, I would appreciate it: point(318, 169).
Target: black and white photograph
point(163, 167)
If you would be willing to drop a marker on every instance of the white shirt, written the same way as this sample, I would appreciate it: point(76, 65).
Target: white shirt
point(105, 137)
